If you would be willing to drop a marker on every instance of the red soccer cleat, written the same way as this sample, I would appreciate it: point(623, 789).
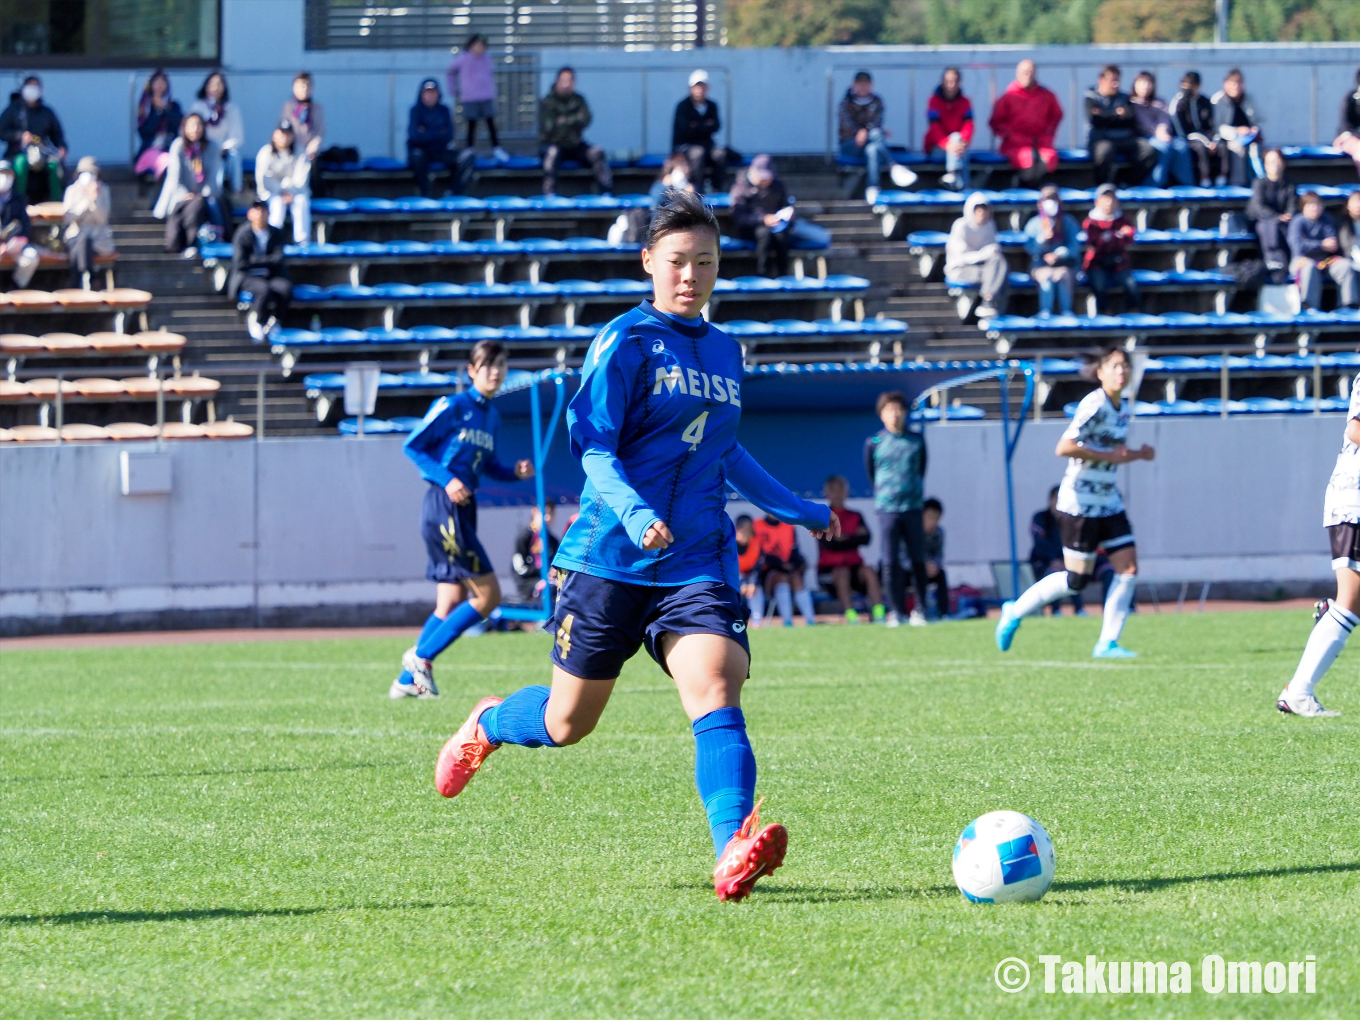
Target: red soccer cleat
point(749, 854)
point(464, 753)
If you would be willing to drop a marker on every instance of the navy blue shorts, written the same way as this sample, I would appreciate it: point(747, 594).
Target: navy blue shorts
point(600, 624)
point(450, 533)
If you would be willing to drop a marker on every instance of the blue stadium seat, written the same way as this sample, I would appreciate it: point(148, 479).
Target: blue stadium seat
point(372, 427)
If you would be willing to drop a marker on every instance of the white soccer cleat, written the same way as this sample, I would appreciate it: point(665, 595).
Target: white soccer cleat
point(892, 620)
point(422, 672)
point(901, 176)
point(917, 618)
point(1306, 706)
point(399, 690)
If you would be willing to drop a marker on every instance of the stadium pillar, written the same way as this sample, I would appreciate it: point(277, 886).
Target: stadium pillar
point(1222, 11)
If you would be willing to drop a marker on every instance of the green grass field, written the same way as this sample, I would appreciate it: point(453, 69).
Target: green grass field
point(251, 830)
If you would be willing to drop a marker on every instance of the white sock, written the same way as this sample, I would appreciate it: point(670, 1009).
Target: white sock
point(783, 598)
point(1324, 645)
point(1117, 606)
point(804, 599)
point(1049, 588)
point(757, 604)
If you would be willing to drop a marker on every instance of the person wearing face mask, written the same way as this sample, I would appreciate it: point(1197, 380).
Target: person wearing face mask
point(191, 179)
point(762, 212)
point(86, 208)
point(1238, 123)
point(631, 226)
point(222, 125)
point(14, 228)
point(35, 143)
point(972, 255)
point(1053, 241)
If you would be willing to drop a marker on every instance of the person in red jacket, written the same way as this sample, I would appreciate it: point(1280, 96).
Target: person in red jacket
point(1108, 236)
point(951, 128)
point(1024, 120)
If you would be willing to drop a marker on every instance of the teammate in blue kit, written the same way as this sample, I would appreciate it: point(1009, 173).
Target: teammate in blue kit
point(652, 558)
point(453, 447)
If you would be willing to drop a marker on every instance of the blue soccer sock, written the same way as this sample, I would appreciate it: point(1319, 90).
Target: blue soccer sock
point(724, 771)
point(520, 719)
point(434, 638)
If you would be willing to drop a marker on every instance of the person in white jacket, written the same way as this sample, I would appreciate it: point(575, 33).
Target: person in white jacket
point(972, 255)
point(282, 178)
point(222, 120)
point(86, 207)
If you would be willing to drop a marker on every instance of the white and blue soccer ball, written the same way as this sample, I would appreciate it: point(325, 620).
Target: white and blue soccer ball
point(1004, 857)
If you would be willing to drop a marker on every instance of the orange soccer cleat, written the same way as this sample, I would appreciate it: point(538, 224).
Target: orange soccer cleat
point(749, 854)
point(464, 753)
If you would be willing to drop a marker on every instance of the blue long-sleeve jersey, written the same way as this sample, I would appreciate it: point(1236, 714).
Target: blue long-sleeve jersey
point(655, 426)
point(457, 439)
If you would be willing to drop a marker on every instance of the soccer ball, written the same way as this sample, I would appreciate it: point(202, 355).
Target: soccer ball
point(1004, 857)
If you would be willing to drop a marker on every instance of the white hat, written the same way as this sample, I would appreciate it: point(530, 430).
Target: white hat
point(698, 77)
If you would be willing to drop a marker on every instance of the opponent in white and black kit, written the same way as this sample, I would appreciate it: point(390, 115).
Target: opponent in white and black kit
point(1090, 510)
point(1341, 515)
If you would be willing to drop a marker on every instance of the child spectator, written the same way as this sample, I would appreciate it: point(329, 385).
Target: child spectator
point(223, 126)
point(1025, 119)
point(1317, 251)
point(840, 558)
point(692, 134)
point(781, 569)
point(761, 212)
point(1239, 128)
point(35, 143)
point(472, 82)
point(862, 135)
point(192, 177)
point(895, 461)
point(1052, 241)
point(1108, 237)
point(950, 114)
point(972, 255)
point(429, 140)
point(1113, 130)
point(931, 512)
point(1158, 128)
point(281, 179)
point(529, 558)
point(1046, 554)
point(1274, 202)
point(158, 120)
point(563, 116)
point(748, 568)
point(1194, 116)
point(14, 227)
point(86, 209)
point(258, 273)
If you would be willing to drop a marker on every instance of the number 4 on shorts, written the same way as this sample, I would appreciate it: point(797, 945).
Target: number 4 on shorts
point(694, 434)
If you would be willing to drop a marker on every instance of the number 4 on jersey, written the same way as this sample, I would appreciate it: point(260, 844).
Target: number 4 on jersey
point(694, 434)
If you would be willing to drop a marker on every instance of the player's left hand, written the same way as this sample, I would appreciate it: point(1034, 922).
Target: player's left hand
point(524, 469)
point(832, 531)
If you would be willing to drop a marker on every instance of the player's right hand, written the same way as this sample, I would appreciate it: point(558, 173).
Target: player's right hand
point(831, 532)
point(458, 492)
point(658, 537)
point(1147, 452)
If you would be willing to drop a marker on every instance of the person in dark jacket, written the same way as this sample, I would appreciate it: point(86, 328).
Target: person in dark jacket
point(14, 228)
point(563, 116)
point(429, 140)
point(1194, 117)
point(158, 120)
point(258, 272)
point(530, 557)
point(1046, 554)
point(1239, 130)
point(863, 136)
point(1114, 131)
point(761, 212)
point(34, 143)
point(1155, 123)
point(696, 123)
point(1274, 201)
point(1348, 134)
point(1316, 249)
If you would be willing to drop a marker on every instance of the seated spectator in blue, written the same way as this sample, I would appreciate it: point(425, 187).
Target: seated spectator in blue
point(1052, 239)
point(1316, 249)
point(973, 255)
point(1113, 131)
point(631, 226)
point(1194, 116)
point(1274, 202)
point(1046, 554)
point(862, 135)
point(563, 116)
point(158, 120)
point(35, 143)
point(950, 114)
point(692, 134)
point(429, 140)
point(1159, 129)
point(258, 273)
point(1239, 128)
point(1109, 234)
point(224, 127)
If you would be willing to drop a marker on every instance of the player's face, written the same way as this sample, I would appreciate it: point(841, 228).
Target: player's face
point(488, 376)
point(1114, 373)
point(893, 416)
point(683, 267)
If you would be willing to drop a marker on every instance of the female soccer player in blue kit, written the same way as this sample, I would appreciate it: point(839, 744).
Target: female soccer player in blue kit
point(652, 560)
point(453, 447)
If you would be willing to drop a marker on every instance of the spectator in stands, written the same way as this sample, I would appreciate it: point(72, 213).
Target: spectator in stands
point(631, 226)
point(1349, 231)
point(158, 120)
point(1109, 235)
point(1194, 116)
point(429, 141)
point(14, 228)
point(762, 212)
point(563, 116)
point(1158, 128)
point(258, 272)
point(472, 82)
point(1316, 248)
point(781, 569)
point(308, 121)
point(933, 549)
point(282, 170)
point(748, 568)
point(692, 134)
point(35, 143)
point(839, 558)
point(1046, 554)
point(86, 209)
point(895, 461)
point(1025, 119)
point(529, 558)
point(1348, 134)
point(863, 137)
point(223, 126)
point(950, 116)
point(972, 255)
point(1239, 129)
point(1114, 131)
point(192, 177)
point(1274, 201)
point(1053, 242)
